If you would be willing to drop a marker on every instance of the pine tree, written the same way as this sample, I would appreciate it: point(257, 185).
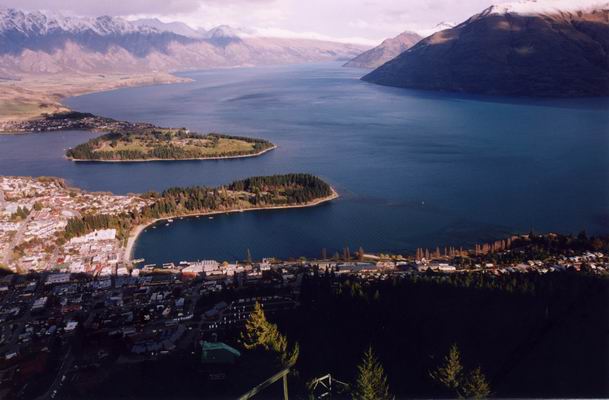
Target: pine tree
point(371, 380)
point(475, 385)
point(259, 332)
point(450, 373)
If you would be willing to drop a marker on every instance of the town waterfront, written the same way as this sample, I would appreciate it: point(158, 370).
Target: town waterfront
point(413, 168)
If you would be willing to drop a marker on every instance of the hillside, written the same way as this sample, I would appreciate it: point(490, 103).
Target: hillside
point(516, 49)
point(389, 49)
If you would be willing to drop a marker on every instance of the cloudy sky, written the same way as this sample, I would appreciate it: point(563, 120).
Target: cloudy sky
point(365, 21)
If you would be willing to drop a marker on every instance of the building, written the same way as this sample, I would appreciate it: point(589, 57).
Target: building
point(104, 234)
point(218, 353)
point(53, 279)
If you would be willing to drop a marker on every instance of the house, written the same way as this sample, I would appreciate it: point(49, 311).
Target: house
point(57, 278)
point(218, 353)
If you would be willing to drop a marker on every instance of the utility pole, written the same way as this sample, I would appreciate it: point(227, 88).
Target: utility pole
point(285, 387)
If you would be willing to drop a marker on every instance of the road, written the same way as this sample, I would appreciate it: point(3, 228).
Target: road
point(56, 385)
point(6, 257)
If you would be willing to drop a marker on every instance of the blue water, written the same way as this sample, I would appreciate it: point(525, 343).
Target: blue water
point(413, 168)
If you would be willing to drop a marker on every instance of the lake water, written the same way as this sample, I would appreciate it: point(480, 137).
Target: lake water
point(413, 168)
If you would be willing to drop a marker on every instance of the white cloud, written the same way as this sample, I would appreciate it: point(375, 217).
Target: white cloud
point(123, 7)
point(363, 21)
point(285, 33)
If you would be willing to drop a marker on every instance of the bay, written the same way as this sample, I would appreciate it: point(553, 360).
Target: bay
point(413, 168)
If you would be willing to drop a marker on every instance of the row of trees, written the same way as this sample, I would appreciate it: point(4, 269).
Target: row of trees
point(20, 214)
point(410, 318)
point(89, 223)
point(372, 382)
point(456, 381)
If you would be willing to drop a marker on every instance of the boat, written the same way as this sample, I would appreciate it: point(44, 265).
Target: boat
point(211, 217)
point(170, 220)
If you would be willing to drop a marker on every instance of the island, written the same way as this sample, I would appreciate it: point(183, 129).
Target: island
point(44, 220)
point(162, 144)
point(141, 141)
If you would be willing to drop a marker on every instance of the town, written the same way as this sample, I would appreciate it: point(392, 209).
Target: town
point(54, 293)
point(33, 216)
point(71, 120)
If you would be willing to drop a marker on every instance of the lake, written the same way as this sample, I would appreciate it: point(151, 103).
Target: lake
point(413, 168)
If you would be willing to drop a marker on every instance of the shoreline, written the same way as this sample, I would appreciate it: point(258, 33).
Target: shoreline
point(77, 160)
point(137, 230)
point(36, 94)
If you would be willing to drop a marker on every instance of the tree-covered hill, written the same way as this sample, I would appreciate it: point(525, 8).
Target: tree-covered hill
point(257, 192)
point(165, 144)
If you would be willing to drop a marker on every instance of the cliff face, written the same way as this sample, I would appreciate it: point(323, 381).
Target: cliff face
point(389, 49)
point(511, 51)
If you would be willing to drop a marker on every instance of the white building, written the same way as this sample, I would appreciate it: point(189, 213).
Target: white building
point(104, 234)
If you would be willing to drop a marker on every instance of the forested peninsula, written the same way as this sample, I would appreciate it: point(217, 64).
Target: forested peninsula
point(277, 191)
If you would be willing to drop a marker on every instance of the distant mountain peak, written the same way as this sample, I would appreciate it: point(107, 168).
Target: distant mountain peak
point(526, 48)
point(384, 52)
point(179, 28)
point(223, 35)
point(534, 7)
point(405, 36)
point(444, 25)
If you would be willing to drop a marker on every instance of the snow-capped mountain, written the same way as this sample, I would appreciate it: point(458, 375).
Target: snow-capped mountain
point(443, 25)
point(548, 7)
point(223, 35)
point(39, 23)
point(38, 31)
point(178, 28)
point(223, 32)
point(525, 48)
point(40, 42)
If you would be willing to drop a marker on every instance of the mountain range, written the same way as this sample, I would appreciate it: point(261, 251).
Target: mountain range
point(387, 50)
point(39, 42)
point(527, 48)
point(178, 28)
